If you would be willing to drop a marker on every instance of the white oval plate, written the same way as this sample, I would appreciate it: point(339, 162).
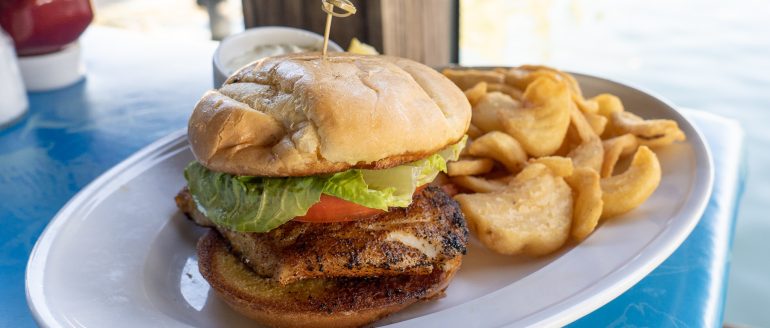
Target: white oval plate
point(120, 254)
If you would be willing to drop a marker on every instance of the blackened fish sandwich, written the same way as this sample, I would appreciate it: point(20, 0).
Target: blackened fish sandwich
point(314, 175)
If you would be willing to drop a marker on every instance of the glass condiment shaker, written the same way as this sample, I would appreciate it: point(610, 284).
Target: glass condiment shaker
point(13, 98)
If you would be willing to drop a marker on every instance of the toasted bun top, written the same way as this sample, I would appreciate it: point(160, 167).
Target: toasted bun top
point(298, 115)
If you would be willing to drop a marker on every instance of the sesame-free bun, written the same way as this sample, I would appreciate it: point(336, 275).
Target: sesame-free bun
point(299, 115)
point(317, 303)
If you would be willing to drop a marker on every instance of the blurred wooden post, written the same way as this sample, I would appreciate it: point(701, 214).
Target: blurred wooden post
point(423, 30)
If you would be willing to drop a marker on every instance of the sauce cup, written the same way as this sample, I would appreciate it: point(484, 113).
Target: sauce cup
point(231, 50)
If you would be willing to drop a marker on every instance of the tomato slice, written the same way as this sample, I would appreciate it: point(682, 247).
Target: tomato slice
point(333, 209)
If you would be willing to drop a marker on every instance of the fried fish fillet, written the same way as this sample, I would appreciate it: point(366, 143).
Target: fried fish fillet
point(413, 240)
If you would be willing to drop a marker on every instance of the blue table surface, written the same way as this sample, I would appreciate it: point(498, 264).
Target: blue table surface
point(139, 89)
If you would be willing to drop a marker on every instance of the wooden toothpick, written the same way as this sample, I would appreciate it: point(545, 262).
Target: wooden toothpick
point(328, 6)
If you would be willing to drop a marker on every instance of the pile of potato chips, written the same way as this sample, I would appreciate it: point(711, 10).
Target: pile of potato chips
point(541, 162)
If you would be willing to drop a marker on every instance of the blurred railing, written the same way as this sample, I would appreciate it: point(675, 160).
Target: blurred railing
point(424, 30)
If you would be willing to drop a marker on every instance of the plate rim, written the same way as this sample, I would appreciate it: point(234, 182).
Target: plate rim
point(38, 257)
point(570, 309)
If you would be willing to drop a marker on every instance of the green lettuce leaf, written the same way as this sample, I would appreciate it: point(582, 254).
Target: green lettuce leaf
point(452, 153)
point(250, 203)
point(258, 204)
point(395, 186)
point(351, 186)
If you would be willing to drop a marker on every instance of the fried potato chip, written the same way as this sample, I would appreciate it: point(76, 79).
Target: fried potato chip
point(624, 192)
point(650, 133)
point(474, 132)
point(442, 180)
point(360, 48)
point(582, 144)
point(588, 201)
point(477, 184)
point(571, 141)
point(500, 147)
point(573, 83)
point(532, 215)
point(583, 128)
point(522, 76)
point(589, 154)
point(469, 167)
point(586, 106)
point(486, 112)
point(475, 93)
point(506, 89)
point(665, 140)
point(552, 122)
point(540, 125)
point(614, 148)
point(607, 104)
point(467, 78)
point(597, 122)
point(583, 105)
point(506, 179)
point(560, 166)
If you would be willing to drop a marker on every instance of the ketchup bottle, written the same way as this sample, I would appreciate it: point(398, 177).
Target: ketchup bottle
point(40, 27)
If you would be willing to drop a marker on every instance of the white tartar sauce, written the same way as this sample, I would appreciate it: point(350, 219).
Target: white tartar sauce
point(261, 52)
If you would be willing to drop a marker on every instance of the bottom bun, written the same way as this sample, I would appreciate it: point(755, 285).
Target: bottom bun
point(340, 302)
